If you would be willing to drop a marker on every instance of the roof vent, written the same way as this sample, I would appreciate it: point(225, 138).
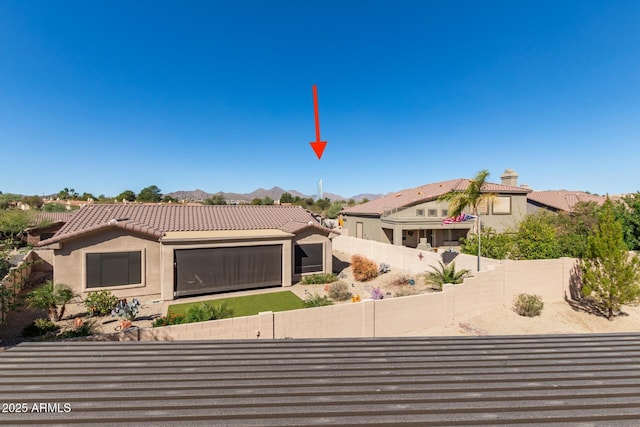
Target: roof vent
point(113, 222)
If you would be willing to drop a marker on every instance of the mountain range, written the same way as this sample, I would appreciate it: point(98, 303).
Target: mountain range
point(274, 193)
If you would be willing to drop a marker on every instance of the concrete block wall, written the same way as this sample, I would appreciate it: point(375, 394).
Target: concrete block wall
point(404, 316)
point(14, 281)
point(410, 260)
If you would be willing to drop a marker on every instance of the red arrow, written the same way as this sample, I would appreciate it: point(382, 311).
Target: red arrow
point(318, 146)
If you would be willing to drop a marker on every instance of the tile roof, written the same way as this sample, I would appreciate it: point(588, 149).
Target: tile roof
point(54, 217)
point(559, 380)
point(413, 196)
point(563, 200)
point(155, 220)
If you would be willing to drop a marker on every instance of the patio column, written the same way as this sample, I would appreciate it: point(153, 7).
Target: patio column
point(397, 235)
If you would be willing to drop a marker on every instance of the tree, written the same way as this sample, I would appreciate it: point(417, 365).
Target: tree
point(537, 238)
point(55, 207)
point(13, 223)
point(267, 201)
point(286, 198)
point(169, 199)
point(150, 194)
point(34, 202)
point(471, 197)
point(628, 211)
point(127, 195)
point(52, 298)
point(217, 199)
point(610, 275)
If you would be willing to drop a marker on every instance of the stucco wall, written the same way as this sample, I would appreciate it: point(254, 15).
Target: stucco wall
point(405, 316)
point(406, 259)
point(70, 261)
point(407, 218)
point(310, 236)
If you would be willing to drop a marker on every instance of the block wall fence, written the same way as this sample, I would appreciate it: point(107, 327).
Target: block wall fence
point(495, 286)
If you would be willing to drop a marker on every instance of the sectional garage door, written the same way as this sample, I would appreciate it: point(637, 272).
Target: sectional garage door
point(203, 271)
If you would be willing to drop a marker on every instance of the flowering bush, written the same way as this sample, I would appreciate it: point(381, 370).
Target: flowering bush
point(376, 293)
point(355, 298)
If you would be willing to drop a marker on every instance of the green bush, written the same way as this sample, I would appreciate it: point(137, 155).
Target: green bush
point(171, 319)
point(84, 330)
point(339, 291)
point(528, 305)
point(319, 279)
point(39, 327)
point(207, 311)
point(100, 303)
point(445, 274)
point(363, 268)
point(52, 298)
point(316, 300)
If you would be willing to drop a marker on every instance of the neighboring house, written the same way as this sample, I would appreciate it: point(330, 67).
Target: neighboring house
point(48, 224)
point(559, 200)
point(414, 217)
point(173, 250)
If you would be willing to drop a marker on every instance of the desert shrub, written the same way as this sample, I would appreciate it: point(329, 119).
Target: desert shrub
point(316, 300)
point(402, 281)
point(207, 311)
point(39, 327)
point(171, 319)
point(445, 274)
point(404, 291)
point(528, 305)
point(319, 279)
point(339, 291)
point(84, 330)
point(363, 268)
point(100, 303)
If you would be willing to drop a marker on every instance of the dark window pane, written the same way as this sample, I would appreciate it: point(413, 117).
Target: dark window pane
point(114, 269)
point(308, 258)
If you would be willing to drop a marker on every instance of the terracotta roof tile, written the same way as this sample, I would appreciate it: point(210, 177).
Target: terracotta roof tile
point(562, 199)
point(413, 196)
point(155, 220)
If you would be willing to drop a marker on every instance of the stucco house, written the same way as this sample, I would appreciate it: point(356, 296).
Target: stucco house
point(171, 251)
point(413, 217)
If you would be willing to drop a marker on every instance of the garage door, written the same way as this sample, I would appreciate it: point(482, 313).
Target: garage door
point(203, 271)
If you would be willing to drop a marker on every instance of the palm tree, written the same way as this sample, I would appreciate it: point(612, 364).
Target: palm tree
point(472, 197)
point(52, 298)
point(445, 274)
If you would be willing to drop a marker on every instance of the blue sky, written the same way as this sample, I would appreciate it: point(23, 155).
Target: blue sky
point(104, 96)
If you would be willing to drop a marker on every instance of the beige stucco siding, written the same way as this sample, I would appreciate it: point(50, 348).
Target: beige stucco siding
point(312, 237)
point(406, 225)
point(70, 261)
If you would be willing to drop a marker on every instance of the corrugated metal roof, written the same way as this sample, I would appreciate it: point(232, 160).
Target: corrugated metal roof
point(510, 380)
point(413, 196)
point(155, 220)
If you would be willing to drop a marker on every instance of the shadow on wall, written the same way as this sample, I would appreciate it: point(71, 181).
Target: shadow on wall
point(338, 264)
point(577, 301)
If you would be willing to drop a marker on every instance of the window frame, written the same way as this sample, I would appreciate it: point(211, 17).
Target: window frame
point(101, 286)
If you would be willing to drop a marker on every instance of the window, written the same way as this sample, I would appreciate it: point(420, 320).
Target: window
point(502, 205)
point(433, 212)
point(114, 269)
point(483, 207)
point(309, 258)
point(444, 213)
point(419, 212)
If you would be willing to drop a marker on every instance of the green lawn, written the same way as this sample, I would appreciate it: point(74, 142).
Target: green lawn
point(249, 305)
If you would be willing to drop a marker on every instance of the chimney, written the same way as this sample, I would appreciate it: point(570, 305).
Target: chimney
point(509, 177)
